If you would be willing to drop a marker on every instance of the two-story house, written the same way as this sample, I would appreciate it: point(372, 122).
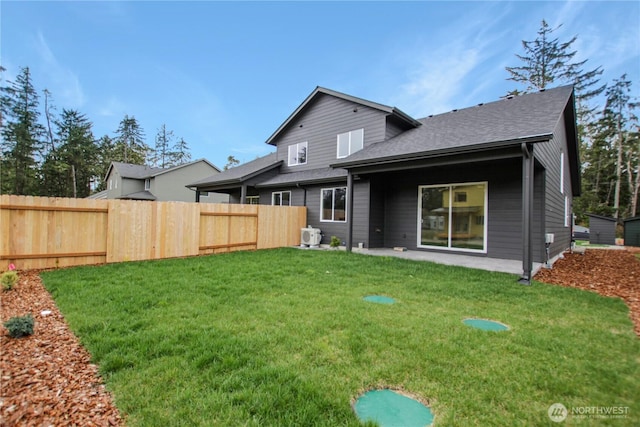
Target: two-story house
point(140, 182)
point(493, 180)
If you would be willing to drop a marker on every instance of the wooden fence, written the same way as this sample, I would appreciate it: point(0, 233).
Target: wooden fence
point(42, 232)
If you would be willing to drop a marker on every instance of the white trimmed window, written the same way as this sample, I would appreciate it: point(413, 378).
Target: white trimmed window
point(147, 184)
point(566, 211)
point(252, 200)
point(350, 142)
point(281, 198)
point(298, 154)
point(333, 204)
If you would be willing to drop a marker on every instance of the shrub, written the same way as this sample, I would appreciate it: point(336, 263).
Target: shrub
point(8, 280)
point(20, 326)
point(335, 242)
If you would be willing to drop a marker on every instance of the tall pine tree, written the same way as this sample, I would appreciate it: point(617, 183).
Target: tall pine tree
point(162, 154)
point(78, 153)
point(22, 137)
point(130, 144)
point(180, 153)
point(548, 61)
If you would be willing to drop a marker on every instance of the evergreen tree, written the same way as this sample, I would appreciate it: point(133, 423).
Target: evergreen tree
point(78, 153)
point(106, 154)
point(130, 145)
point(548, 61)
point(180, 153)
point(231, 162)
point(162, 154)
point(22, 137)
point(618, 113)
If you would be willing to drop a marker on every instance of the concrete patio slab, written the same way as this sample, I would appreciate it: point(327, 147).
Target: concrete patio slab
point(482, 263)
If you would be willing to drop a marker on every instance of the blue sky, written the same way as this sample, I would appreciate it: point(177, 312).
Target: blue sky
point(225, 75)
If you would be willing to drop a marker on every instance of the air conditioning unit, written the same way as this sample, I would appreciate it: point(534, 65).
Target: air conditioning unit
point(310, 237)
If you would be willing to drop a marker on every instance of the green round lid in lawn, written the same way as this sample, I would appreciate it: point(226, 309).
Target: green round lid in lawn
point(379, 299)
point(389, 408)
point(486, 325)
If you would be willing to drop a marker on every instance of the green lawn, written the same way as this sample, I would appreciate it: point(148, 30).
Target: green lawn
point(283, 337)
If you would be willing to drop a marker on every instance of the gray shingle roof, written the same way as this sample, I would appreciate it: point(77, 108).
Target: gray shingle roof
point(510, 119)
point(139, 195)
point(305, 177)
point(128, 170)
point(241, 172)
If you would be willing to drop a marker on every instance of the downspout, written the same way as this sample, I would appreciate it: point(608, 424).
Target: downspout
point(304, 194)
point(527, 213)
point(349, 211)
point(197, 196)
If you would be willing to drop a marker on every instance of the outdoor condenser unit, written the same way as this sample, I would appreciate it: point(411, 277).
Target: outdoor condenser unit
point(310, 236)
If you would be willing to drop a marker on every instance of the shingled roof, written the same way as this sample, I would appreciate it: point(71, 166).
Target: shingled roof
point(510, 120)
point(240, 173)
point(131, 171)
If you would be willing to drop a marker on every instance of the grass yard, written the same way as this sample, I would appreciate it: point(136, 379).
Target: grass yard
point(283, 337)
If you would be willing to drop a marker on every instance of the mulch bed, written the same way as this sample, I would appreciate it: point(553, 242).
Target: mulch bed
point(612, 273)
point(48, 378)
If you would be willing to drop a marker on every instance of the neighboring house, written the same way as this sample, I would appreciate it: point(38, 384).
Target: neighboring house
point(490, 180)
point(138, 182)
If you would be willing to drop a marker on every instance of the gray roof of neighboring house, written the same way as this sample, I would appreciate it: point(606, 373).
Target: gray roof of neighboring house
point(529, 117)
point(321, 90)
point(128, 170)
point(99, 195)
point(240, 173)
point(139, 195)
point(305, 177)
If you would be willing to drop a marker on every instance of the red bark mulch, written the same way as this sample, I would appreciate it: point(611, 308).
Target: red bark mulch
point(47, 378)
point(612, 273)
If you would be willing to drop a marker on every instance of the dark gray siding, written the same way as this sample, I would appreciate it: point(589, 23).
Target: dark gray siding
point(309, 196)
point(504, 216)
point(376, 213)
point(362, 206)
point(320, 123)
point(549, 155)
point(394, 127)
point(632, 231)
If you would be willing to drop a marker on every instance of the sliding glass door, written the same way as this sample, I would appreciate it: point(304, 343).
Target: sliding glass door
point(453, 216)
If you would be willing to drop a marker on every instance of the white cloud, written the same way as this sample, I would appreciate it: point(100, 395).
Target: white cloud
point(61, 81)
point(436, 81)
point(113, 107)
point(449, 70)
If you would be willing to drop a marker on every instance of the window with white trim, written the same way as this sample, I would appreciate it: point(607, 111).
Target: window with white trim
point(333, 204)
point(566, 211)
point(350, 142)
point(252, 200)
point(281, 198)
point(298, 154)
point(147, 184)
